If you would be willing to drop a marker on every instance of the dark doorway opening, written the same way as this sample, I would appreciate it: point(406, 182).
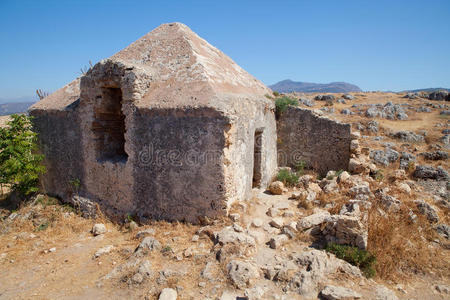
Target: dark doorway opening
point(109, 126)
point(257, 158)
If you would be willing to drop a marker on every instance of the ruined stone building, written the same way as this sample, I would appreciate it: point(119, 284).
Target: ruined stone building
point(168, 128)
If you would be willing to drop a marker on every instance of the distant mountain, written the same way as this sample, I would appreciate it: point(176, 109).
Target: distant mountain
point(14, 108)
point(426, 90)
point(287, 86)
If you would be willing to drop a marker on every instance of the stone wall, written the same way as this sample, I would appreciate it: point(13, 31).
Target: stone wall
point(59, 137)
point(322, 143)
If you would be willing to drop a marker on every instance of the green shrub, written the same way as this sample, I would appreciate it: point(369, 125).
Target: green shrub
point(289, 178)
point(300, 167)
point(363, 259)
point(276, 94)
point(339, 172)
point(20, 166)
point(281, 104)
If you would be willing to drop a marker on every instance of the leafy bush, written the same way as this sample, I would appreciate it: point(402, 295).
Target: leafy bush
point(281, 104)
point(276, 94)
point(20, 166)
point(363, 259)
point(289, 178)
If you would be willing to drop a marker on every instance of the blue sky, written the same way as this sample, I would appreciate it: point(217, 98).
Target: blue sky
point(377, 45)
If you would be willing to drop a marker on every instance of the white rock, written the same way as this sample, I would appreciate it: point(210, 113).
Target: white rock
point(242, 273)
point(383, 293)
point(312, 220)
point(273, 212)
point(52, 249)
point(257, 222)
point(278, 241)
point(168, 294)
point(277, 222)
point(277, 188)
point(337, 292)
point(103, 250)
point(314, 187)
point(344, 176)
point(355, 135)
point(355, 166)
point(404, 188)
point(98, 229)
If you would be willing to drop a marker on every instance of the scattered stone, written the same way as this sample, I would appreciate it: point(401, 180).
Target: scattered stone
point(257, 222)
point(372, 126)
point(325, 98)
point(241, 273)
point(276, 222)
point(355, 166)
point(278, 241)
point(343, 177)
point(408, 136)
point(428, 210)
point(144, 233)
point(235, 217)
point(438, 95)
point(355, 135)
point(437, 155)
point(345, 230)
point(273, 212)
point(306, 102)
point(406, 160)
point(168, 294)
point(149, 243)
point(443, 230)
point(383, 293)
point(348, 97)
point(277, 188)
point(52, 249)
point(443, 289)
point(313, 220)
point(404, 188)
point(346, 111)
point(384, 157)
point(98, 229)
point(103, 250)
point(429, 172)
point(337, 293)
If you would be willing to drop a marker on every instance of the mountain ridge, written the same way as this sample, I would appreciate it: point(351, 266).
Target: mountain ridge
point(287, 86)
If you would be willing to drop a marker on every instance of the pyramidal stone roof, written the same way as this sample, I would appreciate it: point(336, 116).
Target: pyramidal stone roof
point(183, 70)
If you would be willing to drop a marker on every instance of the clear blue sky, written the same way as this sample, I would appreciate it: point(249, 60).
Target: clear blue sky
point(378, 45)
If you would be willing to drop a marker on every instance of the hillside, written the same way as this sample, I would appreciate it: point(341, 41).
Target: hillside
point(288, 86)
point(426, 90)
point(14, 108)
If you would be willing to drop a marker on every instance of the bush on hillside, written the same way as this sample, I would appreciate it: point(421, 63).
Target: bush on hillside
point(20, 165)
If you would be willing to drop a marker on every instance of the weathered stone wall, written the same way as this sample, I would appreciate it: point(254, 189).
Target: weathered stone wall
point(178, 172)
point(253, 115)
point(59, 137)
point(322, 143)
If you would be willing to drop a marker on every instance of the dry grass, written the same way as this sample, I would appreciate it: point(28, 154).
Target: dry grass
point(402, 247)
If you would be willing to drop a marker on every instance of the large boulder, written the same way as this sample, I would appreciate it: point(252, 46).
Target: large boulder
point(313, 220)
point(242, 274)
point(438, 95)
point(331, 292)
point(345, 230)
point(429, 172)
point(408, 136)
point(277, 188)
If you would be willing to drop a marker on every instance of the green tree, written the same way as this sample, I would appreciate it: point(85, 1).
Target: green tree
point(20, 165)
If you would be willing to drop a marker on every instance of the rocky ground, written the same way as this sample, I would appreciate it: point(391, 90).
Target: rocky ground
point(393, 202)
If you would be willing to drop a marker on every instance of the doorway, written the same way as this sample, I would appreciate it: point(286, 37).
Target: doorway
point(257, 158)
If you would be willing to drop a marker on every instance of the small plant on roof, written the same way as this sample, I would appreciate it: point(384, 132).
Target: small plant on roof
point(281, 104)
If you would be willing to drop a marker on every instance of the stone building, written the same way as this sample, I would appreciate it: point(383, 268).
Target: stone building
point(168, 128)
